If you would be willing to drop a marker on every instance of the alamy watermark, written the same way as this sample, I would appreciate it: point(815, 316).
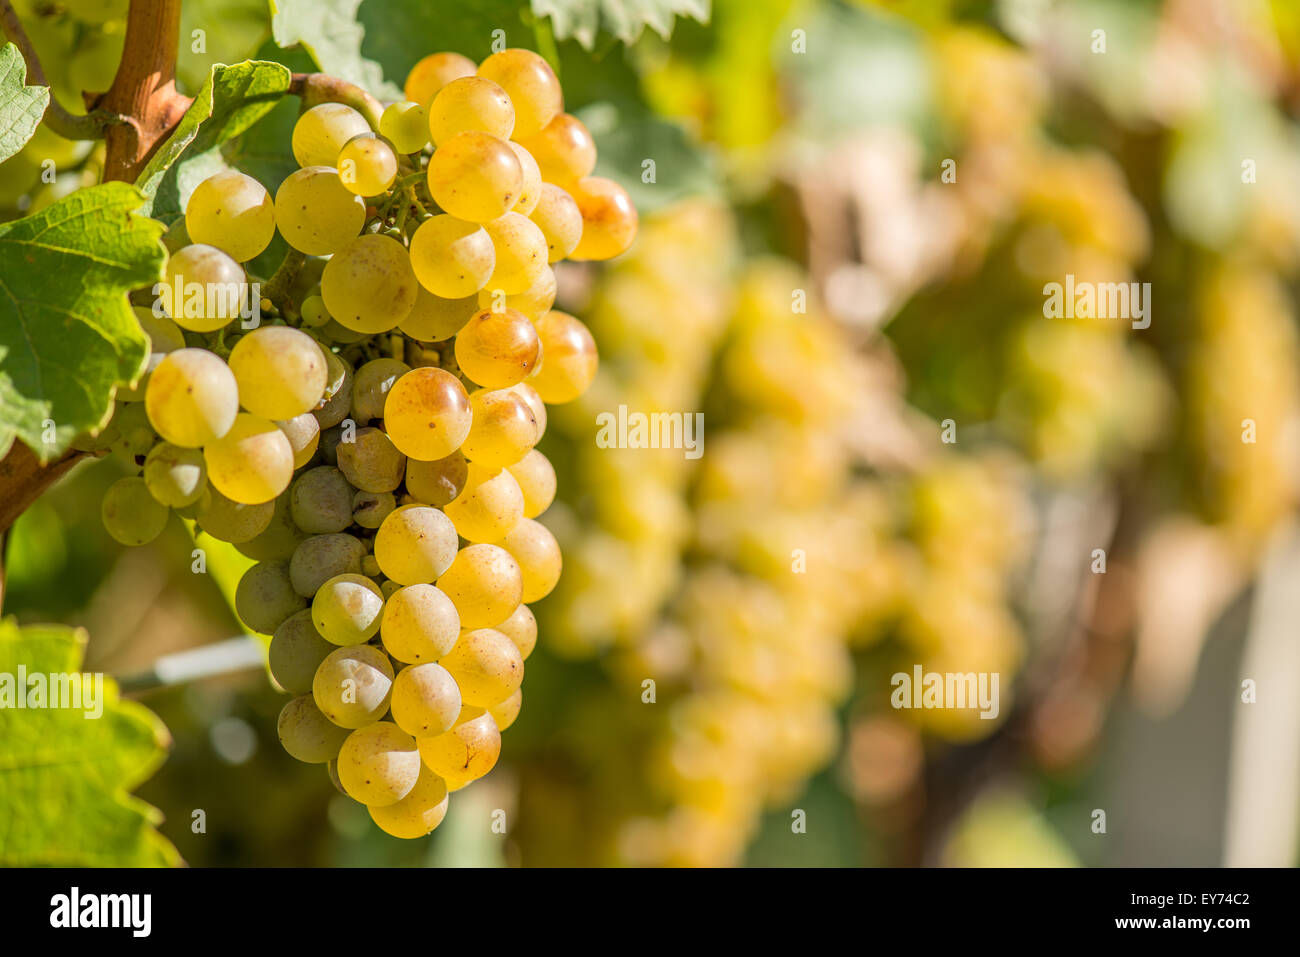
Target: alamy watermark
point(65, 691)
point(947, 690)
point(651, 430)
point(1098, 300)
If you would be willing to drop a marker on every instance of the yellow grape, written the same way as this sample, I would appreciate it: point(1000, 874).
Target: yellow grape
point(419, 624)
point(367, 165)
point(531, 84)
point(306, 734)
point(438, 482)
point(347, 609)
point(426, 700)
point(433, 73)
point(353, 685)
point(530, 193)
point(435, 319)
point(164, 337)
point(529, 395)
point(497, 349)
point(406, 125)
point(536, 478)
point(131, 515)
point(207, 288)
point(452, 259)
point(192, 398)
point(315, 213)
point(534, 302)
point(521, 628)
point(505, 713)
point(486, 665)
point(569, 358)
point(252, 463)
point(419, 813)
point(520, 253)
point(368, 285)
point(504, 428)
point(475, 176)
point(609, 220)
point(280, 371)
point(303, 432)
point(470, 103)
point(564, 150)
point(378, 765)
point(175, 476)
point(415, 544)
point(538, 554)
point(370, 385)
point(465, 753)
point(427, 414)
point(232, 211)
point(234, 522)
point(485, 585)
point(320, 133)
point(489, 506)
point(558, 217)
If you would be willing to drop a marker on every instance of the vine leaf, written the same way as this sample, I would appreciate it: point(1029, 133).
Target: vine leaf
point(68, 337)
point(625, 19)
point(65, 777)
point(21, 106)
point(232, 100)
point(329, 31)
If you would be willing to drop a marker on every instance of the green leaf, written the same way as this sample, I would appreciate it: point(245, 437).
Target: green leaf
point(65, 776)
point(68, 337)
point(625, 19)
point(21, 106)
point(628, 137)
point(232, 100)
point(329, 31)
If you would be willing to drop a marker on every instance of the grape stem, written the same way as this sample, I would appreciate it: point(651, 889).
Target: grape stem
point(277, 287)
point(317, 88)
point(58, 120)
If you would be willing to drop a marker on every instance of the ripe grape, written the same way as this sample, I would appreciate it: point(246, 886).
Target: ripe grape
point(280, 371)
point(505, 713)
point(208, 288)
point(434, 319)
point(367, 165)
point(520, 253)
point(319, 558)
point(337, 400)
point(315, 213)
point(530, 193)
point(536, 478)
point(379, 765)
point(521, 628)
point(609, 220)
point(192, 398)
point(433, 73)
point(569, 358)
point(485, 585)
point(406, 125)
point(175, 476)
point(232, 211)
point(314, 313)
point(452, 258)
point(558, 217)
point(303, 433)
point(251, 463)
point(352, 686)
point(321, 500)
point(265, 597)
point(538, 554)
point(417, 814)
point(415, 544)
point(531, 85)
point(564, 150)
point(530, 396)
point(475, 176)
point(420, 624)
point(321, 132)
point(437, 482)
point(368, 285)
point(490, 505)
point(306, 734)
point(503, 431)
point(426, 700)
point(164, 337)
point(131, 515)
point(371, 462)
point(427, 414)
point(465, 753)
point(534, 302)
point(295, 652)
point(278, 540)
point(235, 522)
point(369, 509)
point(347, 610)
point(497, 349)
point(487, 667)
point(470, 103)
point(370, 385)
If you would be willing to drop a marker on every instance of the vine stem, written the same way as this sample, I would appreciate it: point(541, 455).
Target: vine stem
point(277, 287)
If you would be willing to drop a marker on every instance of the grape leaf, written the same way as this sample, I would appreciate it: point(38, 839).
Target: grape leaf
point(232, 100)
point(65, 777)
point(625, 19)
point(67, 333)
point(329, 31)
point(21, 106)
point(632, 139)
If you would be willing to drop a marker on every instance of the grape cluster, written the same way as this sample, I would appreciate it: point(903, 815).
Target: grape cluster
point(371, 445)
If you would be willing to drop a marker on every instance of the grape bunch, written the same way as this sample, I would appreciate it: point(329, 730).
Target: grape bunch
point(370, 443)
